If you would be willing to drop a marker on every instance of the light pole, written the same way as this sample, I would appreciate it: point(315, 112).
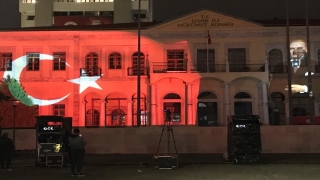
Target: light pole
point(138, 67)
point(14, 103)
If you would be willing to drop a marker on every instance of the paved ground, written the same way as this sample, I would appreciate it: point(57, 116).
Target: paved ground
point(190, 172)
point(192, 167)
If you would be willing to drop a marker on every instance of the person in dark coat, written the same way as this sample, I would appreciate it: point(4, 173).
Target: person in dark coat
point(77, 148)
point(6, 148)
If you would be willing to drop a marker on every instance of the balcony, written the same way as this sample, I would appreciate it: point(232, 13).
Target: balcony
point(163, 67)
point(90, 71)
point(133, 71)
point(278, 69)
point(247, 67)
point(212, 68)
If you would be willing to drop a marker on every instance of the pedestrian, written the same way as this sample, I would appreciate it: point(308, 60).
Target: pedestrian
point(6, 148)
point(77, 147)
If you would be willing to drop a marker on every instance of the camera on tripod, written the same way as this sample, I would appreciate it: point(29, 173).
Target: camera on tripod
point(168, 115)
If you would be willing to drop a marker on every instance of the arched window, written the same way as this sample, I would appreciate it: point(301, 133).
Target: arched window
point(92, 118)
point(319, 57)
point(135, 64)
point(242, 104)
point(91, 64)
point(207, 109)
point(118, 117)
point(276, 61)
point(115, 61)
point(300, 102)
point(143, 110)
point(116, 109)
point(277, 108)
point(317, 67)
point(242, 95)
point(173, 105)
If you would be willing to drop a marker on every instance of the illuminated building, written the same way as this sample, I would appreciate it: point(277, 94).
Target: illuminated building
point(82, 12)
point(89, 72)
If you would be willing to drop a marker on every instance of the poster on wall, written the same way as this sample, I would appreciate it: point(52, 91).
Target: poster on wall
point(81, 20)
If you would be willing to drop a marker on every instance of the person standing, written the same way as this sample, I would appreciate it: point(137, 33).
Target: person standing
point(77, 148)
point(6, 148)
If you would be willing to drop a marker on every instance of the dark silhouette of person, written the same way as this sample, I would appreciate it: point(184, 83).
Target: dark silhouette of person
point(6, 148)
point(77, 148)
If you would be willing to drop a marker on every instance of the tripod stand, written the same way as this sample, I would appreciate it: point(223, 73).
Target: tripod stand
point(167, 126)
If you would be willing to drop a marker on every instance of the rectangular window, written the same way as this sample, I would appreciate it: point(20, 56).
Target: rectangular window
point(60, 13)
point(5, 61)
point(33, 61)
point(106, 13)
point(59, 61)
point(58, 109)
point(30, 18)
point(29, 1)
point(237, 59)
point(175, 60)
point(91, 13)
point(205, 60)
point(76, 13)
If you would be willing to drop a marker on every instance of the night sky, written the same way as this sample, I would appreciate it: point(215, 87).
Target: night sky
point(170, 9)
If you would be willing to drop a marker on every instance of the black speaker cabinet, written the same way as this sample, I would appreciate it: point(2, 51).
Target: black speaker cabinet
point(165, 162)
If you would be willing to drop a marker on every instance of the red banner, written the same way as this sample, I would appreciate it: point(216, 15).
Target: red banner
point(305, 120)
point(81, 20)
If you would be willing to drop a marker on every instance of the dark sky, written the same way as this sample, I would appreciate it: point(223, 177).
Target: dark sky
point(170, 9)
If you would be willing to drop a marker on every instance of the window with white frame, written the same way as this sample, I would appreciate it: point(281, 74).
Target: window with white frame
point(59, 61)
point(5, 61)
point(33, 61)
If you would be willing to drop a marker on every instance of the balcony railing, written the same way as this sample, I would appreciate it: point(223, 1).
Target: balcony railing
point(278, 69)
point(90, 71)
point(133, 71)
point(212, 68)
point(247, 67)
point(163, 67)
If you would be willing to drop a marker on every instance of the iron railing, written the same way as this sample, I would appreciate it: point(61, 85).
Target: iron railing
point(202, 68)
point(247, 67)
point(278, 69)
point(163, 67)
point(133, 71)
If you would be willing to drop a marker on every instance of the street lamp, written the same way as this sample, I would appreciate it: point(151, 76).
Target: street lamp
point(14, 103)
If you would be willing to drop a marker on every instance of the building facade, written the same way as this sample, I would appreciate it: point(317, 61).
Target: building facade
point(203, 67)
point(83, 12)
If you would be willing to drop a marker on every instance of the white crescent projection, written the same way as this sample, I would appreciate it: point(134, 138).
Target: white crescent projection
point(18, 65)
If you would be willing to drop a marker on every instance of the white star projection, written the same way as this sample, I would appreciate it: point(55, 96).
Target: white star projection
point(86, 82)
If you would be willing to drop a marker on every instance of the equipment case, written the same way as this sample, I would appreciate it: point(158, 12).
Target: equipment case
point(54, 159)
point(166, 162)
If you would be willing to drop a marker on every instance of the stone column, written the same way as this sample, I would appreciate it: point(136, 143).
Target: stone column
point(153, 105)
point(227, 65)
point(226, 101)
point(190, 119)
point(129, 118)
point(265, 103)
point(102, 114)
